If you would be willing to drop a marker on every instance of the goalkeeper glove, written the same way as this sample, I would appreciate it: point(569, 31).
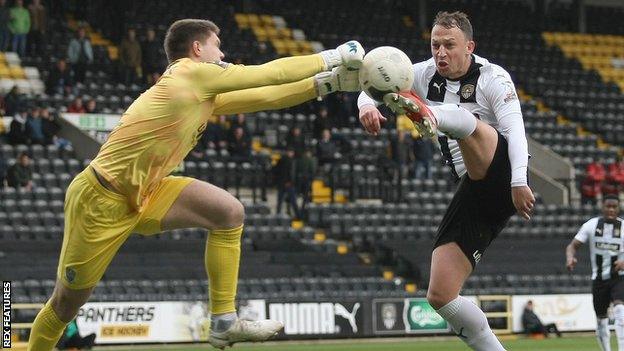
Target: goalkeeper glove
point(349, 54)
point(339, 79)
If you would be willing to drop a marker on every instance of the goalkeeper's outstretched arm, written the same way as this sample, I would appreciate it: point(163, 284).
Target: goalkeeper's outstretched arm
point(285, 95)
point(214, 79)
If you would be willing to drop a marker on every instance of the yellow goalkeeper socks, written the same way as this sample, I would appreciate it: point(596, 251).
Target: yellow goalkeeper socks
point(46, 331)
point(222, 260)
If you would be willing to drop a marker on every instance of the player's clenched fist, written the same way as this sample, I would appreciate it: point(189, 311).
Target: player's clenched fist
point(349, 54)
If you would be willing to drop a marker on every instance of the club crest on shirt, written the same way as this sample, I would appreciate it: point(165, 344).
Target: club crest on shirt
point(467, 90)
point(70, 274)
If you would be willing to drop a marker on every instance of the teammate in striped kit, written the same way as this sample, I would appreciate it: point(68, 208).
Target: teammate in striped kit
point(606, 249)
point(473, 105)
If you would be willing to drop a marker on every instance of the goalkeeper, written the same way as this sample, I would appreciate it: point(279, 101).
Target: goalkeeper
point(127, 187)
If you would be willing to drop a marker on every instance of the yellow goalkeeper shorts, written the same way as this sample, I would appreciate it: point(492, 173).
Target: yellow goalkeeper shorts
point(98, 221)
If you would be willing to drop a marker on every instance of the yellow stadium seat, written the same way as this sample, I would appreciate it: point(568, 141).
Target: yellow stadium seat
point(17, 72)
point(242, 20)
point(267, 20)
point(271, 32)
point(254, 20)
point(285, 33)
point(4, 72)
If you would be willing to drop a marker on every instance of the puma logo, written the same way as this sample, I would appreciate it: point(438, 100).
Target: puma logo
point(438, 86)
point(341, 311)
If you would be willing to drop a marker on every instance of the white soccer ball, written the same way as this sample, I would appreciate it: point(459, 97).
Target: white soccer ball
point(384, 70)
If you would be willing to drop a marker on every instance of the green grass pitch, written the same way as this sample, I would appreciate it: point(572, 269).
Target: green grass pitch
point(567, 343)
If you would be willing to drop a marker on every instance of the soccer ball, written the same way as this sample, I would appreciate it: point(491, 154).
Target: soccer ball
point(384, 70)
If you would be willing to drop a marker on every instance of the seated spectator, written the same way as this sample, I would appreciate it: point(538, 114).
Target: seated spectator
point(35, 127)
point(240, 146)
point(296, 141)
point(19, 175)
point(616, 174)
point(533, 325)
point(12, 101)
point(216, 134)
point(596, 171)
point(92, 107)
point(239, 121)
point(18, 133)
point(77, 106)
point(590, 191)
point(326, 150)
point(60, 80)
point(51, 129)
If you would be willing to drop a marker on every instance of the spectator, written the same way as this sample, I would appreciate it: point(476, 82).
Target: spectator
point(60, 80)
point(296, 141)
point(152, 57)
point(49, 125)
point(596, 171)
point(19, 26)
point(239, 146)
point(80, 54)
point(34, 126)
point(401, 150)
point(321, 123)
point(77, 106)
point(91, 107)
point(12, 101)
point(18, 134)
point(38, 25)
point(240, 121)
point(5, 18)
point(532, 324)
point(284, 173)
point(326, 150)
point(19, 174)
point(130, 57)
point(423, 157)
point(3, 170)
point(590, 191)
point(51, 129)
point(305, 170)
point(216, 134)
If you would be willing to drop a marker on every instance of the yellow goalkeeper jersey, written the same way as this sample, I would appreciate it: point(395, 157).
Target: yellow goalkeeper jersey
point(163, 124)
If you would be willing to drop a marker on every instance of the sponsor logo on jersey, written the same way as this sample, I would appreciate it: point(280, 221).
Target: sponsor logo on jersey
point(607, 246)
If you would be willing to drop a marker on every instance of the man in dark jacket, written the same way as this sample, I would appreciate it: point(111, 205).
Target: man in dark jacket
point(284, 172)
point(532, 324)
point(20, 174)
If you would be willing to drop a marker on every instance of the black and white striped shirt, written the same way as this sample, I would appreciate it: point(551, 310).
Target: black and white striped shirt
point(606, 245)
point(488, 92)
